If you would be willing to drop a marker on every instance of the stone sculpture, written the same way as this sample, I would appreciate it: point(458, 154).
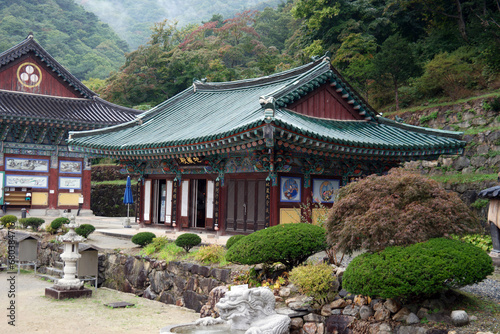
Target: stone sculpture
point(250, 310)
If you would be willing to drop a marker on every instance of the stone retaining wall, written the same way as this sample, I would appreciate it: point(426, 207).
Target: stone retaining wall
point(179, 283)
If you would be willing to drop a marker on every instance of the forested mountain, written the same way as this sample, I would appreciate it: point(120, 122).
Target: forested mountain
point(76, 38)
point(133, 19)
point(395, 52)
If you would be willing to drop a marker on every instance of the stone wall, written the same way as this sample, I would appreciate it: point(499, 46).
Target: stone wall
point(482, 153)
point(179, 283)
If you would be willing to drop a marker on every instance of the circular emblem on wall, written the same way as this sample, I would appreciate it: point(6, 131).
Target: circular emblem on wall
point(29, 75)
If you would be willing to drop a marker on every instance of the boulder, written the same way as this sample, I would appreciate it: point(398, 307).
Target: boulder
point(392, 305)
point(382, 314)
point(365, 312)
point(401, 315)
point(351, 310)
point(459, 318)
point(412, 319)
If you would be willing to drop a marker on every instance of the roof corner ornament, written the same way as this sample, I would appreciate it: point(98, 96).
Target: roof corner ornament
point(327, 56)
point(269, 106)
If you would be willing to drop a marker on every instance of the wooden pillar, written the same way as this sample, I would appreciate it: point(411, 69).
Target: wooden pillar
point(53, 182)
point(274, 204)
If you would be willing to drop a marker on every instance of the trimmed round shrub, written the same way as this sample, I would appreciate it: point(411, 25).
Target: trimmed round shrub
point(8, 220)
point(56, 224)
point(417, 270)
point(234, 239)
point(61, 220)
point(85, 230)
point(188, 241)
point(290, 244)
point(143, 238)
point(34, 222)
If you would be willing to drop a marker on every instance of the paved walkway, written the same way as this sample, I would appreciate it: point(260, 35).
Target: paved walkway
point(110, 232)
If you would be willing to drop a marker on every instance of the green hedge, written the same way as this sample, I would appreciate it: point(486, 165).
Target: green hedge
point(143, 238)
point(85, 230)
point(290, 244)
point(8, 220)
point(420, 269)
point(188, 241)
point(234, 239)
point(34, 222)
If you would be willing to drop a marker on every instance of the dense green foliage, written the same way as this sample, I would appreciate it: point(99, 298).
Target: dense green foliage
point(76, 38)
point(188, 241)
point(85, 230)
point(392, 50)
point(8, 220)
point(133, 19)
point(34, 222)
point(234, 239)
point(314, 280)
point(290, 244)
point(416, 270)
point(400, 208)
point(143, 238)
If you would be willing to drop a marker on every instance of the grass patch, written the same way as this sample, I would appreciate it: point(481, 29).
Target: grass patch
point(472, 303)
point(464, 178)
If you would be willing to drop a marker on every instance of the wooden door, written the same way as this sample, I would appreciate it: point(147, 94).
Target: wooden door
point(245, 205)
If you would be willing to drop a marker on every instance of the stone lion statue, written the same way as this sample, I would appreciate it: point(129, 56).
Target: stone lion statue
point(250, 310)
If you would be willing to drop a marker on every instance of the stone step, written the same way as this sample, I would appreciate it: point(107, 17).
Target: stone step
point(49, 278)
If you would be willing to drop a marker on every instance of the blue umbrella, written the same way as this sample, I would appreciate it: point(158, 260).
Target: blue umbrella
point(128, 198)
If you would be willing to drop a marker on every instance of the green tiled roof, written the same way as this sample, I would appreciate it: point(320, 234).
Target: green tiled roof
point(212, 115)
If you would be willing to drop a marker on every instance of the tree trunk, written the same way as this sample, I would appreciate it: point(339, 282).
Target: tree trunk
point(395, 81)
point(461, 21)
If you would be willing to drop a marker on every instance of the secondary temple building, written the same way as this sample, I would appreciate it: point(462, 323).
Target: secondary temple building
point(40, 102)
point(244, 155)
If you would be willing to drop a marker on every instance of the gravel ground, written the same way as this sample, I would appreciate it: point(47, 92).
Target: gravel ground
point(488, 288)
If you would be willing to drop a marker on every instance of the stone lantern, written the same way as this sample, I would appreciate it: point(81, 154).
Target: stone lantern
point(70, 286)
point(493, 194)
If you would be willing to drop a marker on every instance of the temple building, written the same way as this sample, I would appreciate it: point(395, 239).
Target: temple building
point(244, 155)
point(40, 102)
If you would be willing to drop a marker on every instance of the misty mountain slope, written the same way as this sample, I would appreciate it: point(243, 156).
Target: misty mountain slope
point(132, 19)
point(75, 37)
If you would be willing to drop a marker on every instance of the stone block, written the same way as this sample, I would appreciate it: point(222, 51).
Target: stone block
point(296, 323)
point(351, 310)
point(392, 305)
point(310, 328)
point(339, 324)
point(459, 318)
point(401, 315)
point(312, 317)
point(339, 303)
point(382, 314)
point(412, 319)
point(365, 312)
point(326, 310)
point(411, 330)
point(59, 294)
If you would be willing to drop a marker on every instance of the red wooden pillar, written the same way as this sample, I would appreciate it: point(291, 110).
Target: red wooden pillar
point(222, 205)
point(275, 199)
point(53, 184)
point(307, 199)
point(86, 187)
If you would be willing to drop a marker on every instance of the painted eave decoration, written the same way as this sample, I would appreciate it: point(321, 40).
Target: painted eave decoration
point(219, 118)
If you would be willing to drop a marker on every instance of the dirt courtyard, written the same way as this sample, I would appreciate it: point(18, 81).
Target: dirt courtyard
point(36, 313)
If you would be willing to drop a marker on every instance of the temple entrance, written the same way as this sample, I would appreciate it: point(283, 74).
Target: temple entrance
point(162, 202)
point(197, 203)
point(197, 207)
point(245, 205)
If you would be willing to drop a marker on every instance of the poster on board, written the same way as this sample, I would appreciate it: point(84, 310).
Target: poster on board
point(290, 189)
point(324, 190)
